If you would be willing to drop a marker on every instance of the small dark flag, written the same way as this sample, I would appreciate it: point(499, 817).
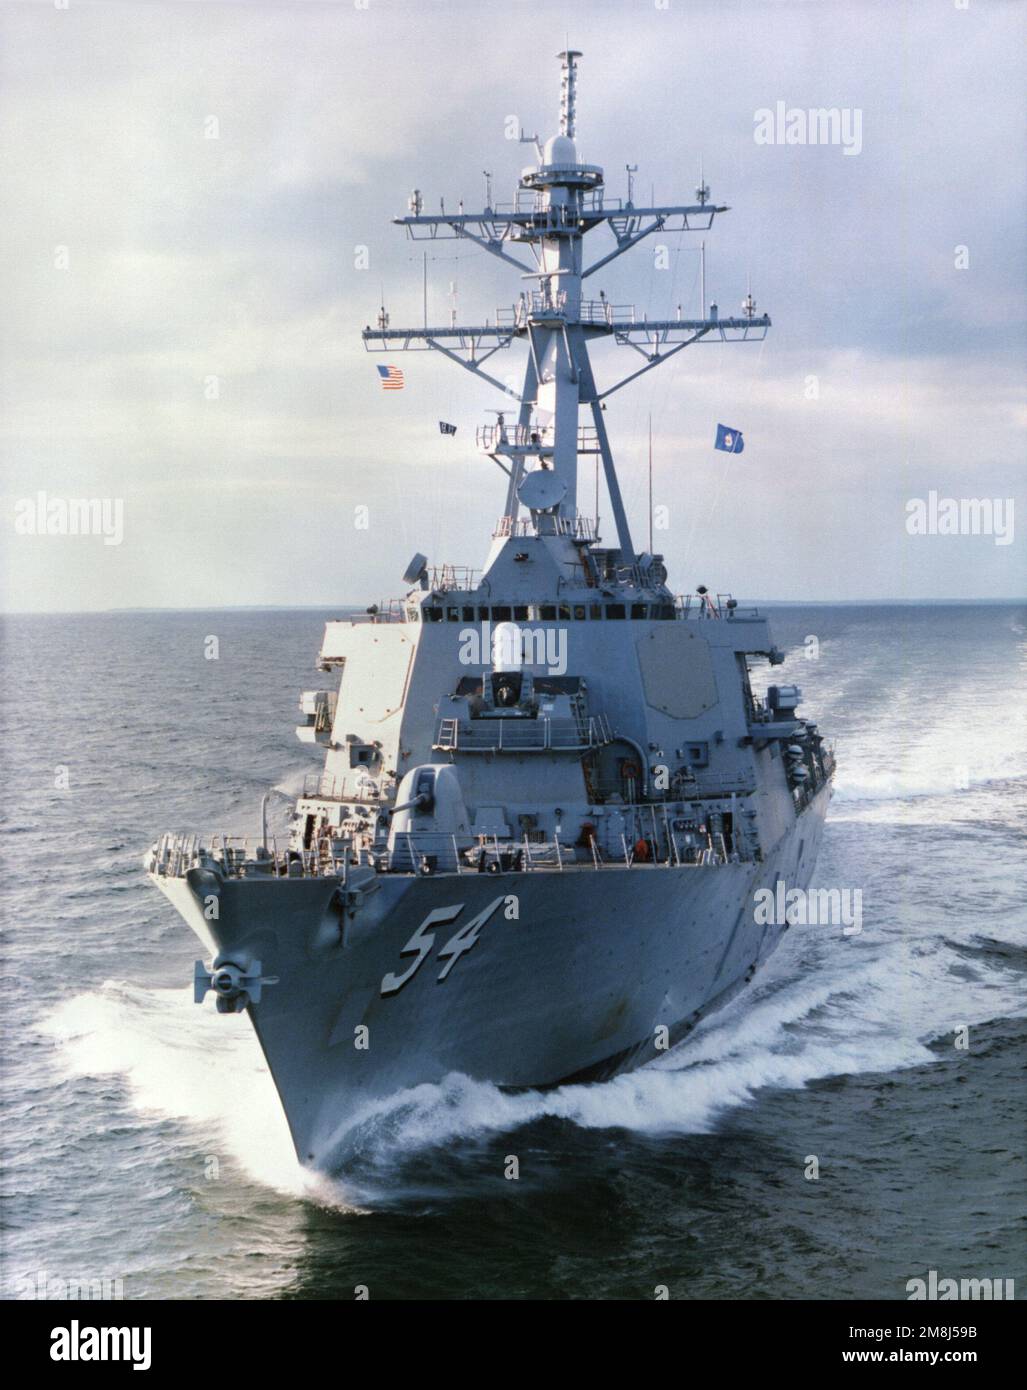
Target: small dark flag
point(444, 428)
point(729, 440)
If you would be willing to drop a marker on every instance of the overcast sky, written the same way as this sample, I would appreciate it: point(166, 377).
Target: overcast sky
point(190, 258)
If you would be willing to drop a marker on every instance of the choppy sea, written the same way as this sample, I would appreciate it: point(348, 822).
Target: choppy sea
point(143, 1148)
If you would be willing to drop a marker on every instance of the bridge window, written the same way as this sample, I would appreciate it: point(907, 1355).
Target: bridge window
point(615, 610)
point(520, 612)
point(501, 613)
point(432, 615)
point(639, 610)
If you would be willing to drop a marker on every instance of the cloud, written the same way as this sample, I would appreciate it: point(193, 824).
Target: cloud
point(236, 261)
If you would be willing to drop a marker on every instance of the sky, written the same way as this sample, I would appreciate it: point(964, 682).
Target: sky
point(196, 225)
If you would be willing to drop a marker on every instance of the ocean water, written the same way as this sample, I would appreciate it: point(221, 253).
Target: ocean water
point(142, 1141)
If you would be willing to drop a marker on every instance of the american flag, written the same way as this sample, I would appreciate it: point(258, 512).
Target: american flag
point(392, 378)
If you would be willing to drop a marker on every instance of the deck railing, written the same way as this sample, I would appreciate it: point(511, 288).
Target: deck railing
point(522, 735)
point(579, 528)
point(323, 786)
point(237, 856)
point(429, 852)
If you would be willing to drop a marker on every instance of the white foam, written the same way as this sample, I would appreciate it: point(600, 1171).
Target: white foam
point(291, 785)
point(965, 740)
point(926, 727)
point(923, 779)
point(188, 1064)
point(827, 1006)
point(858, 1021)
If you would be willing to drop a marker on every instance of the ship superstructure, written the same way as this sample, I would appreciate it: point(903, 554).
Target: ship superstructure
point(549, 795)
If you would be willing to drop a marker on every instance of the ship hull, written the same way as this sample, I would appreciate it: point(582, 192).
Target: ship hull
point(572, 975)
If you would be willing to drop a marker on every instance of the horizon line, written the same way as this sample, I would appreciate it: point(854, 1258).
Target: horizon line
point(363, 608)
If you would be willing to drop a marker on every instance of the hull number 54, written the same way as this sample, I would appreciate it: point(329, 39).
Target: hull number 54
point(420, 944)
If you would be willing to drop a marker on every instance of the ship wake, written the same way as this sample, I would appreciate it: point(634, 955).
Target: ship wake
point(825, 1008)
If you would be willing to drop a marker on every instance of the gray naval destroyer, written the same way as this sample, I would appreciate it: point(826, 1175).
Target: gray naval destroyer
point(549, 795)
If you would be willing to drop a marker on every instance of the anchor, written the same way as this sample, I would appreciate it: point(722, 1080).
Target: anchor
point(234, 984)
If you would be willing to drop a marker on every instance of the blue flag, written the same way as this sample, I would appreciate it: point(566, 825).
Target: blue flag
point(729, 440)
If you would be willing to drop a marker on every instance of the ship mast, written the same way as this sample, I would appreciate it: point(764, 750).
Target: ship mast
point(558, 201)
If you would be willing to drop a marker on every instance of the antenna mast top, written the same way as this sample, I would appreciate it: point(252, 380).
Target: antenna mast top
point(558, 201)
point(568, 91)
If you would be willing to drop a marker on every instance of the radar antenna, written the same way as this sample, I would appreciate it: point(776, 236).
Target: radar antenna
point(559, 201)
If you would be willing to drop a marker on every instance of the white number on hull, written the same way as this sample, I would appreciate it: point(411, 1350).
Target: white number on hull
point(422, 941)
point(465, 938)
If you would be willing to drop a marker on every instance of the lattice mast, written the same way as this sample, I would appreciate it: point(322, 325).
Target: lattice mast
point(558, 201)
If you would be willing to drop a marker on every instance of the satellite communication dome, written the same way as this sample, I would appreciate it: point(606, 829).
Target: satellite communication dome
point(507, 647)
point(560, 149)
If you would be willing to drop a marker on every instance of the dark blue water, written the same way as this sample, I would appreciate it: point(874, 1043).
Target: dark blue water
point(142, 1139)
